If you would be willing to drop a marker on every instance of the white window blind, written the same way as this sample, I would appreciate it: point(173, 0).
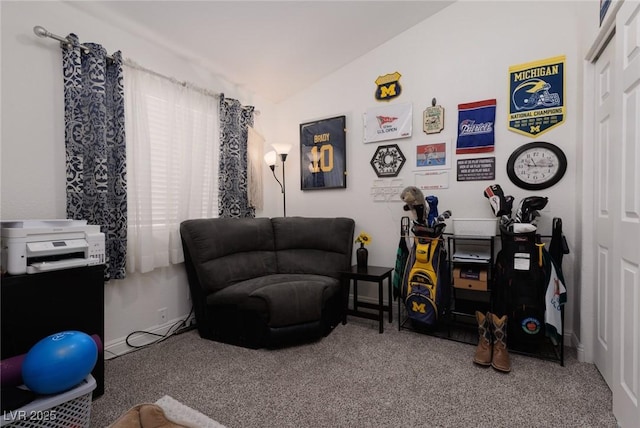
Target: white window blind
point(172, 161)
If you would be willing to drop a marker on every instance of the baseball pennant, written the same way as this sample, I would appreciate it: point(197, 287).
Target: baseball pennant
point(476, 123)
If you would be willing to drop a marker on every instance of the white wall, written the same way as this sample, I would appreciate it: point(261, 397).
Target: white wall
point(460, 55)
point(33, 171)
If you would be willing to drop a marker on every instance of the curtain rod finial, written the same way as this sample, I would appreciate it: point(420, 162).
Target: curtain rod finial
point(40, 31)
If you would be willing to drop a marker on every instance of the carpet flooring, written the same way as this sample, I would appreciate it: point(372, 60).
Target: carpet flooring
point(356, 377)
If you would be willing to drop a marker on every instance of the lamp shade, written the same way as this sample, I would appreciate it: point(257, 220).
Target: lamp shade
point(270, 158)
point(281, 148)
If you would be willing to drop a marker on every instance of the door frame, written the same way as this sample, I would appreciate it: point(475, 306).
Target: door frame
point(585, 343)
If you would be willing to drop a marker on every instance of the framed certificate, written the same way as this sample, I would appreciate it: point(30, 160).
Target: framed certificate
point(323, 154)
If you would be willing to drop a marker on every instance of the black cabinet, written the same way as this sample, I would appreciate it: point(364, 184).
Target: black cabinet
point(38, 305)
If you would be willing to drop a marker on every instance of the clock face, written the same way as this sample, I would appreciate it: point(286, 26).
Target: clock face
point(536, 166)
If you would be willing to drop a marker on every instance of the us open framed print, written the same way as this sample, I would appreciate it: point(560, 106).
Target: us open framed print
point(323, 154)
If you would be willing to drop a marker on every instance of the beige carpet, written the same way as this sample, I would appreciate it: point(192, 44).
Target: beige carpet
point(356, 377)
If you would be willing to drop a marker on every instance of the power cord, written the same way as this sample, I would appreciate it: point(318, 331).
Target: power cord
point(177, 328)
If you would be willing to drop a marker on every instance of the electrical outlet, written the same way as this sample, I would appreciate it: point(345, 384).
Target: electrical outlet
point(162, 315)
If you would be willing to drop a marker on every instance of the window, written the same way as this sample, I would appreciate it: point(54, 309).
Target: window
point(172, 165)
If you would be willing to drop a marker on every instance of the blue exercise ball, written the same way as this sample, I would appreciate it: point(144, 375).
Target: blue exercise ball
point(59, 362)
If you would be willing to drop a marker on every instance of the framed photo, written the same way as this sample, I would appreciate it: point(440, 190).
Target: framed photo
point(323, 154)
point(435, 155)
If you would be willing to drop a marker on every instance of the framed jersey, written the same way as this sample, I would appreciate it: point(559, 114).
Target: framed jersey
point(323, 154)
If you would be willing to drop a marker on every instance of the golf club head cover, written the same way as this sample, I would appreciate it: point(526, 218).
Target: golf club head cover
point(442, 217)
point(508, 205)
point(432, 201)
point(416, 203)
point(497, 200)
point(420, 216)
point(527, 207)
point(536, 202)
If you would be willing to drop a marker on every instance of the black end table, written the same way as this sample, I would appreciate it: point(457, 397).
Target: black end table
point(372, 274)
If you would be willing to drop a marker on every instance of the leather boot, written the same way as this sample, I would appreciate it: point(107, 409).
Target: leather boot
point(483, 351)
point(500, 360)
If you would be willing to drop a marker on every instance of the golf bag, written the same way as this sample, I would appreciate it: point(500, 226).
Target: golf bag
point(426, 290)
point(520, 286)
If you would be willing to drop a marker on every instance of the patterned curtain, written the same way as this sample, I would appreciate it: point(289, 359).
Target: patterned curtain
point(234, 122)
point(95, 146)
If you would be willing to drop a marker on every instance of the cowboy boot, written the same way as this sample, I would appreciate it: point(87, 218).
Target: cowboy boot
point(483, 351)
point(500, 360)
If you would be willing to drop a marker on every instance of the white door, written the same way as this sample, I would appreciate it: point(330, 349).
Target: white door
point(626, 224)
point(606, 160)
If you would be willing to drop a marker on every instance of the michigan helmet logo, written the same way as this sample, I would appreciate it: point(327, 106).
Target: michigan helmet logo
point(534, 93)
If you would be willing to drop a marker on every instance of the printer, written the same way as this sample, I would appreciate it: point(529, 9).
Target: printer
point(34, 246)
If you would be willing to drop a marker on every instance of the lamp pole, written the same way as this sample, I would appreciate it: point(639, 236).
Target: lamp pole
point(271, 158)
point(283, 156)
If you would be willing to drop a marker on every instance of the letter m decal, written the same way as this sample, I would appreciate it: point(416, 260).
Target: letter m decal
point(388, 90)
point(419, 307)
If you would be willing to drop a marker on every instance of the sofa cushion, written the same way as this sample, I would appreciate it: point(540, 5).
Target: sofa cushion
point(313, 245)
point(229, 250)
point(283, 299)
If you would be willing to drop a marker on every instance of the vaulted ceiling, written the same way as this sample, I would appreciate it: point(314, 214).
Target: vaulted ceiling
point(272, 48)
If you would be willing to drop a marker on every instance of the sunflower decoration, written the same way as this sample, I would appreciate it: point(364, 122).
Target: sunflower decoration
point(363, 238)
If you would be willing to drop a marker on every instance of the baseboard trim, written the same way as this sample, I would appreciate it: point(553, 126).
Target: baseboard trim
point(118, 347)
point(581, 354)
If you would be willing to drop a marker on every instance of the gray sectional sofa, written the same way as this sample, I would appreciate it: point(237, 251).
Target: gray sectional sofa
point(260, 282)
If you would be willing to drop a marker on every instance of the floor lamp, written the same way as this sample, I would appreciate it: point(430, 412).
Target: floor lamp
point(271, 158)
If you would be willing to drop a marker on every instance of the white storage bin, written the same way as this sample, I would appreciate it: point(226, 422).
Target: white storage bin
point(475, 226)
point(68, 409)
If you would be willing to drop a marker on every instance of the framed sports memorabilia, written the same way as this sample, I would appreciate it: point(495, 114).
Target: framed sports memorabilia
point(323, 154)
point(436, 155)
point(536, 166)
point(388, 86)
point(388, 122)
point(476, 127)
point(433, 118)
point(387, 161)
point(536, 96)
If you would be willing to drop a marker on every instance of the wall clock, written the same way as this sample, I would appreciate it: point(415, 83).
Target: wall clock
point(387, 161)
point(536, 166)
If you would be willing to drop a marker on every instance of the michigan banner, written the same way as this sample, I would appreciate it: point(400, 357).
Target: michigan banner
point(536, 93)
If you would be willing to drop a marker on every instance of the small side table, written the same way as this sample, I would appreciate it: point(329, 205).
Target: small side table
point(372, 274)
